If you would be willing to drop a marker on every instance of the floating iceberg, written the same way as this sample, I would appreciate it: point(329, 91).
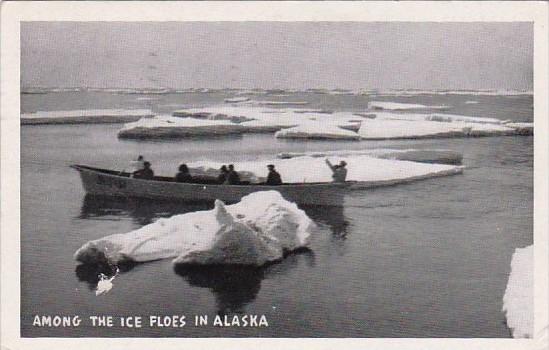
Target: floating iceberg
point(518, 300)
point(521, 128)
point(471, 102)
point(400, 106)
point(436, 117)
point(317, 131)
point(259, 229)
point(378, 129)
point(86, 116)
point(174, 127)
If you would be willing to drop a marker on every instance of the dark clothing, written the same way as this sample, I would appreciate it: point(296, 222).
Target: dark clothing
point(273, 178)
point(145, 174)
point(232, 178)
point(183, 177)
point(222, 178)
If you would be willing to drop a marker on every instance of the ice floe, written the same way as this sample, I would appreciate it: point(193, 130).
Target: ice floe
point(86, 116)
point(379, 129)
point(380, 105)
point(413, 155)
point(261, 228)
point(174, 127)
point(518, 300)
point(317, 130)
point(236, 99)
point(366, 170)
point(471, 102)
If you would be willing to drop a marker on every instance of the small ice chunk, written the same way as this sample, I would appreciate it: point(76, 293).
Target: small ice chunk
point(400, 106)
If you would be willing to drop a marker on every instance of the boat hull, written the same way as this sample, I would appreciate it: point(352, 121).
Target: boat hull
point(100, 183)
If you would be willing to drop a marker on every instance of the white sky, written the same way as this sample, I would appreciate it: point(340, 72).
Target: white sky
point(278, 55)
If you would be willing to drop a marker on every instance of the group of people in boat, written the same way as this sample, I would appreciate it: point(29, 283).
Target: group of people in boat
point(228, 175)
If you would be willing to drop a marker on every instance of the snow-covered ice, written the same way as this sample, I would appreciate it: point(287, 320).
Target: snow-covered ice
point(317, 130)
point(471, 102)
point(86, 116)
point(440, 156)
point(436, 117)
point(400, 106)
point(378, 129)
point(261, 228)
point(367, 170)
point(518, 300)
point(173, 127)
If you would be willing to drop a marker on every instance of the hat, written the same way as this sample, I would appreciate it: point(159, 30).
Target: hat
point(342, 163)
point(270, 166)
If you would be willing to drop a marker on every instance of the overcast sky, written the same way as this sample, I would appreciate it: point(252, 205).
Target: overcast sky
point(278, 55)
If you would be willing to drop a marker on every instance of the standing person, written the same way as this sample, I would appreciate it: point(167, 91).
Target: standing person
point(273, 178)
point(137, 165)
point(339, 172)
point(223, 172)
point(232, 176)
point(146, 173)
point(183, 175)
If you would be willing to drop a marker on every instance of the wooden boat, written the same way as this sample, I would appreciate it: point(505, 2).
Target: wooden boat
point(103, 182)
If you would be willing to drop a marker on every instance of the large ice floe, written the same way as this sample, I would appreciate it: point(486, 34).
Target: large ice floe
point(400, 106)
point(518, 300)
point(366, 170)
point(173, 127)
point(318, 124)
point(259, 229)
point(317, 130)
point(86, 116)
point(389, 128)
point(440, 156)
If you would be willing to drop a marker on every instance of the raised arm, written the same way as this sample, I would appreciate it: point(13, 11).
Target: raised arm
point(329, 164)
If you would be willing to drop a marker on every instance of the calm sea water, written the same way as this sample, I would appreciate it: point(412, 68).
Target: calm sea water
point(426, 259)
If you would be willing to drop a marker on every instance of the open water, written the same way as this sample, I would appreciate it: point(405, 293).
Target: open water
point(426, 259)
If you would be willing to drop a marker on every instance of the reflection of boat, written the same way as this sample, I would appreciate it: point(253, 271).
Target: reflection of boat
point(104, 182)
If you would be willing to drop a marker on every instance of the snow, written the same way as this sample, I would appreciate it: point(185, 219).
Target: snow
point(518, 300)
point(367, 170)
point(378, 129)
point(437, 117)
point(400, 106)
point(259, 229)
point(317, 130)
point(85, 116)
point(413, 155)
point(171, 127)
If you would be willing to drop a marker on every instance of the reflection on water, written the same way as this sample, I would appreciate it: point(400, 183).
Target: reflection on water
point(331, 216)
point(235, 286)
point(143, 211)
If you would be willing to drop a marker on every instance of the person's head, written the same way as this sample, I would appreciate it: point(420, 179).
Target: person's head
point(342, 164)
point(147, 165)
point(223, 168)
point(270, 167)
point(231, 167)
point(183, 168)
point(140, 158)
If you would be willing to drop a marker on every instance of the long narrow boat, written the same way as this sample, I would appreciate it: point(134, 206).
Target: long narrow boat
point(103, 182)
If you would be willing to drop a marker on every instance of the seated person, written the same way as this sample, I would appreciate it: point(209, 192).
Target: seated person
point(223, 172)
point(183, 175)
point(273, 178)
point(232, 176)
point(146, 173)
